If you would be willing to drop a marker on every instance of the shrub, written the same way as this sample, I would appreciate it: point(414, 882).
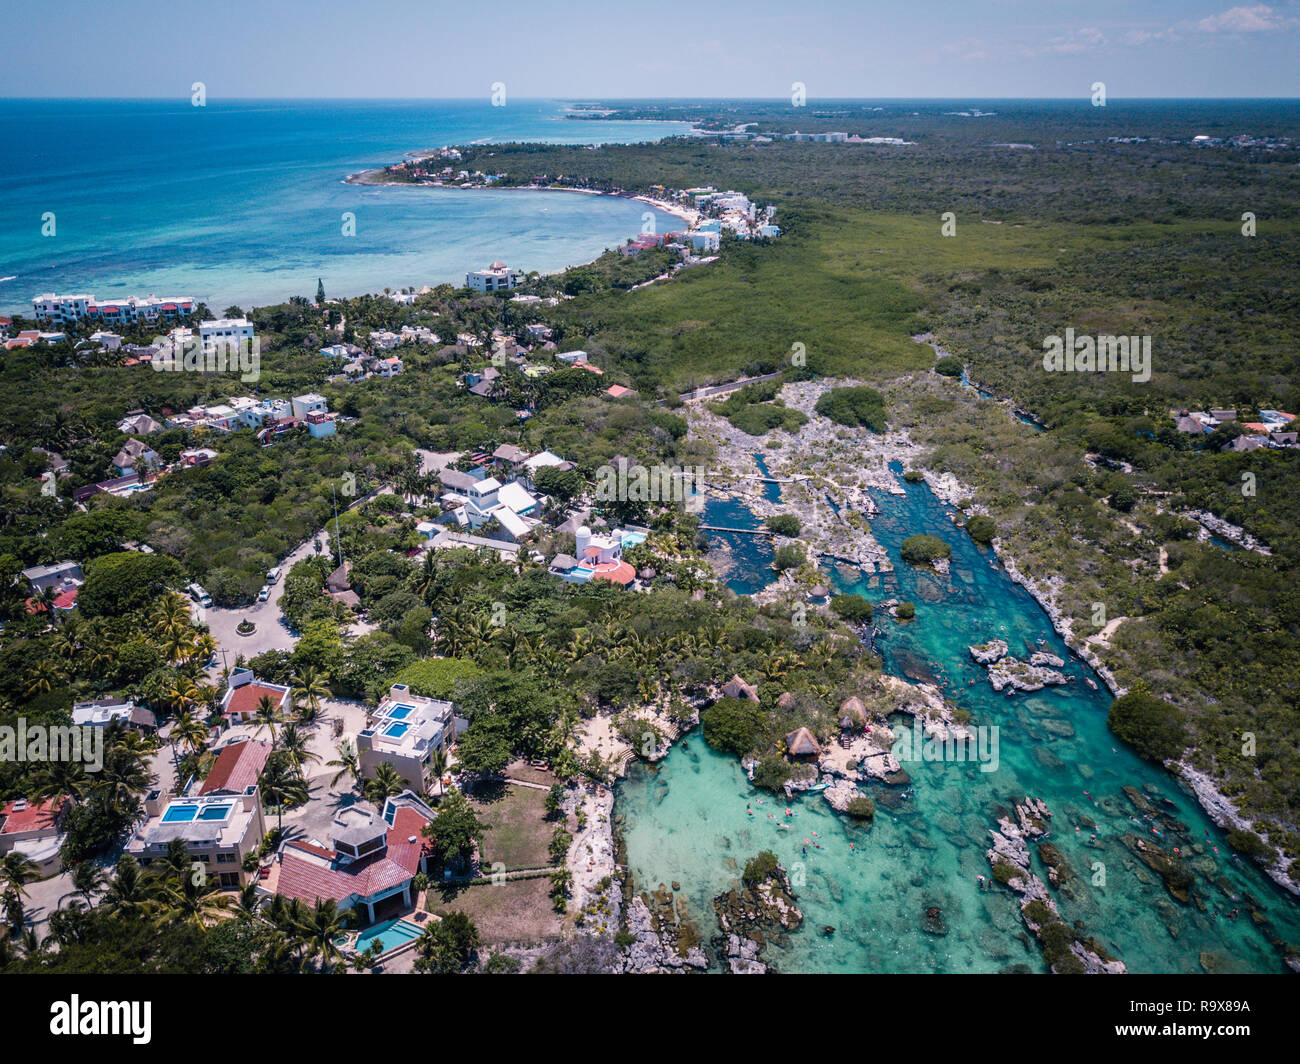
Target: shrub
point(922, 549)
point(772, 774)
point(861, 808)
point(784, 524)
point(852, 608)
point(1148, 724)
point(905, 611)
point(733, 725)
point(759, 868)
point(981, 529)
point(854, 407)
point(948, 366)
point(1247, 842)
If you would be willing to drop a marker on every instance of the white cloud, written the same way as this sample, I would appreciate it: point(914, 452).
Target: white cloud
point(1257, 18)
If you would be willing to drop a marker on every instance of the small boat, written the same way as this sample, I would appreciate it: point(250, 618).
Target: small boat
point(827, 930)
point(818, 787)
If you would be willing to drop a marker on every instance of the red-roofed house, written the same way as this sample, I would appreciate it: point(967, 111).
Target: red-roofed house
point(239, 706)
point(35, 829)
point(237, 767)
point(372, 858)
point(618, 391)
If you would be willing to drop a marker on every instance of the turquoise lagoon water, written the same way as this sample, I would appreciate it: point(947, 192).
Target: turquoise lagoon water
point(241, 201)
point(685, 819)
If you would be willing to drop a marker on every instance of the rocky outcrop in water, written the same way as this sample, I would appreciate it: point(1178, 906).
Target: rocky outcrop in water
point(662, 941)
point(754, 914)
point(1022, 676)
point(1065, 948)
point(988, 653)
point(1041, 657)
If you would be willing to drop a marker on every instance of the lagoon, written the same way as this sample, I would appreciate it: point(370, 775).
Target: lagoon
point(686, 818)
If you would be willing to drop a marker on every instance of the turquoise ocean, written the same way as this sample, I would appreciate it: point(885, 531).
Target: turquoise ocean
point(242, 202)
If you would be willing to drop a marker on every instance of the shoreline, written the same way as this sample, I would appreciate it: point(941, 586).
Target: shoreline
point(370, 178)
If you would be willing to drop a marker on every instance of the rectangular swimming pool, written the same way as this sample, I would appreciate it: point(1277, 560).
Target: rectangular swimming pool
point(180, 814)
point(390, 934)
point(399, 712)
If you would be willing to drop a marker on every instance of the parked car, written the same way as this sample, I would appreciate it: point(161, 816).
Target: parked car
point(265, 593)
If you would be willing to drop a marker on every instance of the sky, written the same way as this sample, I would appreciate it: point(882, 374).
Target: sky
point(584, 50)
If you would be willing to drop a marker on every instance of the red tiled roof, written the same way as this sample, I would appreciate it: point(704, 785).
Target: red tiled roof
point(244, 699)
point(309, 879)
point(37, 816)
point(237, 767)
point(615, 573)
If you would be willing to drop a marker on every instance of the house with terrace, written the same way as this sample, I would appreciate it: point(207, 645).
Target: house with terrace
point(101, 712)
point(245, 694)
point(217, 830)
point(34, 829)
point(367, 863)
point(405, 732)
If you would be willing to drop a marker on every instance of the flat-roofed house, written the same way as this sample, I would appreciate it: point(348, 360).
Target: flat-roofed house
point(404, 732)
point(217, 830)
point(101, 712)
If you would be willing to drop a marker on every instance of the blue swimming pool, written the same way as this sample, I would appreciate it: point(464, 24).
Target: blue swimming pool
point(400, 712)
point(177, 814)
point(390, 934)
point(397, 730)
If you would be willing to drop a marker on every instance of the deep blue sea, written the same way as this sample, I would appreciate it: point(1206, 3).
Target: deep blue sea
point(241, 202)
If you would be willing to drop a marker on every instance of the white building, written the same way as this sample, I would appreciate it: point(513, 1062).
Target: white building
point(226, 334)
point(496, 278)
point(309, 404)
point(404, 732)
point(54, 307)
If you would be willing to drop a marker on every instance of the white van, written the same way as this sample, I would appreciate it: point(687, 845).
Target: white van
point(199, 595)
point(272, 575)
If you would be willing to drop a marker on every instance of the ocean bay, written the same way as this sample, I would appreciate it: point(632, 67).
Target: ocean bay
point(243, 202)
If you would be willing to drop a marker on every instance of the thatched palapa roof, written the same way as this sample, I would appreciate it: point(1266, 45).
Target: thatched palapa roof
point(802, 743)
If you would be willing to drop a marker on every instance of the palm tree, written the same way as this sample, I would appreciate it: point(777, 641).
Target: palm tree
point(249, 900)
point(122, 778)
point(293, 745)
point(267, 716)
point(347, 765)
point(130, 894)
point(438, 766)
point(44, 676)
point(190, 732)
point(319, 927)
point(63, 777)
point(281, 786)
point(16, 871)
point(191, 899)
point(309, 687)
point(385, 783)
point(89, 879)
point(182, 693)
